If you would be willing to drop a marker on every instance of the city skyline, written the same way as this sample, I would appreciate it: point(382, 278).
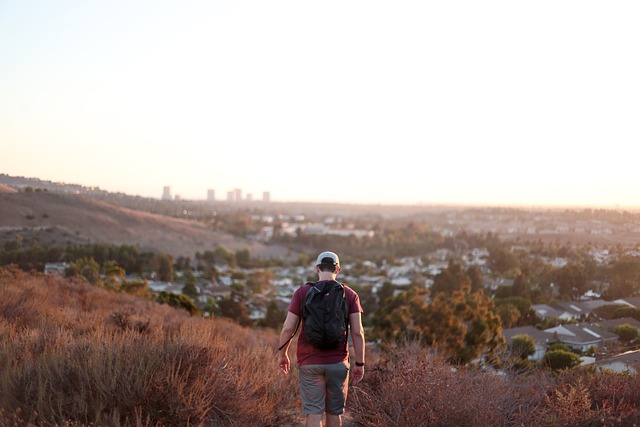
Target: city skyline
point(494, 103)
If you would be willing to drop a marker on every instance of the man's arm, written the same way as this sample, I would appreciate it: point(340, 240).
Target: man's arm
point(357, 337)
point(288, 330)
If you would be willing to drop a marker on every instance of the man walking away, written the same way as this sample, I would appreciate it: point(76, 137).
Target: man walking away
point(324, 372)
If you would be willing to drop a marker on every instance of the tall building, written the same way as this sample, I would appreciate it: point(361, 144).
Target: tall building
point(249, 197)
point(231, 196)
point(237, 195)
point(166, 193)
point(266, 196)
point(211, 195)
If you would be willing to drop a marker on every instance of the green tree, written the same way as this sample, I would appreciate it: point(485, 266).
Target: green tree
point(624, 279)
point(190, 289)
point(179, 301)
point(235, 306)
point(464, 325)
point(572, 281)
point(627, 311)
point(509, 314)
point(451, 279)
point(139, 288)
point(274, 316)
point(522, 346)
point(85, 267)
point(520, 287)
point(461, 325)
point(626, 332)
point(475, 275)
point(260, 280)
point(607, 311)
point(165, 267)
point(560, 359)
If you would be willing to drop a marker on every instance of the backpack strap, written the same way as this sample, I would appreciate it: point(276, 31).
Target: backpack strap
point(295, 331)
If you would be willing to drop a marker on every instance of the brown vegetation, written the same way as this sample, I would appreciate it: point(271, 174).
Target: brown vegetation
point(412, 388)
point(73, 354)
point(77, 355)
point(82, 219)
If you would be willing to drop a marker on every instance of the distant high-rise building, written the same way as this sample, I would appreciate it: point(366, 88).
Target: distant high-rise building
point(249, 197)
point(237, 195)
point(266, 196)
point(211, 195)
point(231, 196)
point(166, 193)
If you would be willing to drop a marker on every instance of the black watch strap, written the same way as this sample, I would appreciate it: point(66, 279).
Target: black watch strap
point(359, 363)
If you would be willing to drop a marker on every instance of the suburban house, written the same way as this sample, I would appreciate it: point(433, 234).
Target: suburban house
point(570, 310)
point(582, 336)
point(630, 301)
point(540, 338)
point(610, 325)
point(625, 362)
point(56, 268)
point(562, 311)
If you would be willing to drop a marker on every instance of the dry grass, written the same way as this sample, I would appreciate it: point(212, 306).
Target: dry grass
point(76, 355)
point(412, 388)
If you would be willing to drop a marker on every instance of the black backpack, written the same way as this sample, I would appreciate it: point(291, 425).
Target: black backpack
point(325, 316)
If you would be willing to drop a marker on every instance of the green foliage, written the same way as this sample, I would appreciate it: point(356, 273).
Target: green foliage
point(624, 279)
point(235, 306)
point(461, 326)
point(522, 346)
point(165, 267)
point(559, 346)
point(138, 288)
point(627, 311)
point(560, 359)
point(571, 280)
point(260, 280)
point(509, 314)
point(219, 256)
point(85, 267)
point(608, 311)
point(626, 332)
point(178, 301)
point(451, 279)
point(274, 317)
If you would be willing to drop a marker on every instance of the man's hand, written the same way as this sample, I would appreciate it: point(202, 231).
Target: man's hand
point(357, 374)
point(284, 363)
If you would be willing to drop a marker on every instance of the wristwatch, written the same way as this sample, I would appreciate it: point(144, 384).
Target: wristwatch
point(359, 363)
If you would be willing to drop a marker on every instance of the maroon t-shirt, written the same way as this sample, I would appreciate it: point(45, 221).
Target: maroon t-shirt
point(306, 353)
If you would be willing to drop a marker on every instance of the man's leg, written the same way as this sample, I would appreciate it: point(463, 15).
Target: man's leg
point(337, 386)
point(334, 420)
point(315, 420)
point(312, 393)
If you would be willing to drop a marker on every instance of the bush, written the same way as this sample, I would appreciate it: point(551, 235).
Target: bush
point(560, 359)
point(81, 355)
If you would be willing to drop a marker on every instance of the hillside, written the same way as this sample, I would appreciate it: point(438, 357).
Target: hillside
point(77, 355)
point(55, 218)
point(6, 189)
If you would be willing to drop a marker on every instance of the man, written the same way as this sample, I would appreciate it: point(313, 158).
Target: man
point(323, 374)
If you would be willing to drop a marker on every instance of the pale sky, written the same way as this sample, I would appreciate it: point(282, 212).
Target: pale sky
point(410, 102)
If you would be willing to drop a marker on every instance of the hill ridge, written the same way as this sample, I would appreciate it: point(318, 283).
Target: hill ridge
point(91, 220)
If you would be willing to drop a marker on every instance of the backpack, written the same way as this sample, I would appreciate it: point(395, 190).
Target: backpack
point(325, 315)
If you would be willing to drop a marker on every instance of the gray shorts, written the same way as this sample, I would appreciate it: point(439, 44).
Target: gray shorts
point(323, 388)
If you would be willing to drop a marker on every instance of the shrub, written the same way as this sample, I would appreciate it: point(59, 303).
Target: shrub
point(560, 359)
point(80, 355)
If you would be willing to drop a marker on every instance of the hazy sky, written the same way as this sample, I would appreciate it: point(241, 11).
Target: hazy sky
point(466, 102)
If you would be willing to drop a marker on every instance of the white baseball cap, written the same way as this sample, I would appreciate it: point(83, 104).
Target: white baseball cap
point(328, 257)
